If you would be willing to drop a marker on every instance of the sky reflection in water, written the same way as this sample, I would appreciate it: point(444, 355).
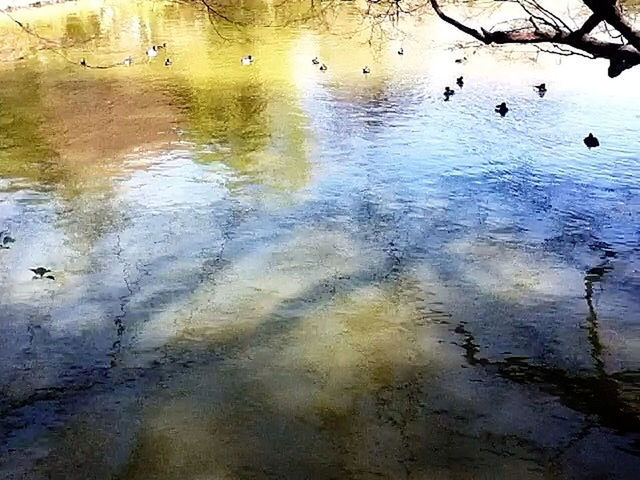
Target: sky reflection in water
point(270, 270)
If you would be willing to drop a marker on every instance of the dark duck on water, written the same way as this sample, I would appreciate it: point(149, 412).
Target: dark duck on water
point(5, 240)
point(41, 271)
point(591, 142)
point(502, 109)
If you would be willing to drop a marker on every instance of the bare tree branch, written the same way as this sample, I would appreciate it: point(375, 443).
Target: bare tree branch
point(547, 27)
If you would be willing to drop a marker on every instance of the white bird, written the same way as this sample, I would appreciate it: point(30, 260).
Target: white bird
point(128, 61)
point(152, 51)
point(246, 60)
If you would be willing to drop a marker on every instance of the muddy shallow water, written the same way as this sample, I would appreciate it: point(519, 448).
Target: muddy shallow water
point(267, 271)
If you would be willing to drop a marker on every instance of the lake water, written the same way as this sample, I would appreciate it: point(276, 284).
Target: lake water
point(269, 271)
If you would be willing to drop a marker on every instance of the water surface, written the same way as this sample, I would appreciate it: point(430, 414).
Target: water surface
point(270, 271)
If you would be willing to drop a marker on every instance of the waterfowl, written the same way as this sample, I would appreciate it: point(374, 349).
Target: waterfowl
point(502, 109)
point(591, 142)
point(5, 240)
point(401, 51)
point(366, 70)
point(461, 60)
point(246, 60)
point(128, 61)
point(448, 92)
point(40, 271)
point(541, 88)
point(323, 68)
point(83, 62)
point(160, 47)
point(315, 61)
point(460, 82)
point(167, 62)
point(152, 51)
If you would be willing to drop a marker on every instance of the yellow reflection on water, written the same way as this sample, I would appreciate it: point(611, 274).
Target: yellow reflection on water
point(84, 120)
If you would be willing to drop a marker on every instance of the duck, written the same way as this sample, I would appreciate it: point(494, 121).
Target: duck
point(315, 61)
point(167, 62)
point(127, 61)
point(460, 82)
point(591, 142)
point(448, 92)
point(160, 47)
point(461, 60)
point(152, 51)
point(41, 271)
point(541, 88)
point(401, 51)
point(323, 68)
point(83, 62)
point(246, 60)
point(366, 70)
point(502, 109)
point(5, 240)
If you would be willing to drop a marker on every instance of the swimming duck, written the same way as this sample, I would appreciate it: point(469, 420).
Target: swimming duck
point(315, 61)
point(167, 62)
point(461, 60)
point(502, 109)
point(448, 92)
point(83, 62)
point(127, 61)
point(246, 60)
point(323, 68)
point(401, 51)
point(41, 271)
point(5, 240)
point(541, 88)
point(152, 51)
point(460, 82)
point(366, 70)
point(591, 142)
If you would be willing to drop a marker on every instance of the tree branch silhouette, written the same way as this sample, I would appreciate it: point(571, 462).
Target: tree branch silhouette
point(544, 26)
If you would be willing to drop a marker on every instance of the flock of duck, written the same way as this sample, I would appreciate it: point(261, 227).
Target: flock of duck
point(590, 140)
point(153, 51)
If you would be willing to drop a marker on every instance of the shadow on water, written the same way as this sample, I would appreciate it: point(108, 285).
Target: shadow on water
point(230, 404)
point(611, 398)
point(272, 356)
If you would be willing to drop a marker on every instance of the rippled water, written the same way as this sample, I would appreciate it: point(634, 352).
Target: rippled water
point(269, 271)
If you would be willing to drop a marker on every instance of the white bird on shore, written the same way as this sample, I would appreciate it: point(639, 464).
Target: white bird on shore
point(246, 60)
point(152, 51)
